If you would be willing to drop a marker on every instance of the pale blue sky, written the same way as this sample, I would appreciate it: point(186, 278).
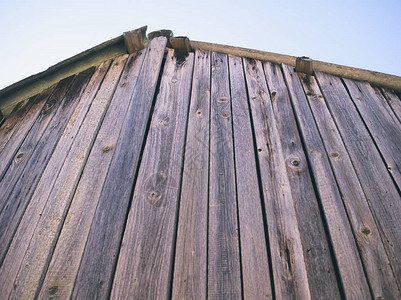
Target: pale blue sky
point(365, 34)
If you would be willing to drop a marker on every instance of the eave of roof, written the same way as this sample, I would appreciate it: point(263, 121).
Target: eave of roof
point(34, 84)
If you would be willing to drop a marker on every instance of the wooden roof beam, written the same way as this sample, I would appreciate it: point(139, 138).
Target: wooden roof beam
point(304, 64)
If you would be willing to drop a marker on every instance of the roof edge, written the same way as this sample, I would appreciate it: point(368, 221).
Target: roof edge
point(34, 84)
point(376, 78)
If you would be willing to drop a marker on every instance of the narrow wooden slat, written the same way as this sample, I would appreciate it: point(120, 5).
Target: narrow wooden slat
point(11, 146)
point(53, 201)
point(375, 180)
point(63, 268)
point(344, 246)
point(20, 159)
point(367, 233)
point(10, 265)
point(382, 124)
point(393, 100)
point(224, 273)
point(190, 276)
point(146, 257)
point(13, 203)
point(318, 260)
point(99, 258)
point(254, 255)
point(14, 120)
point(287, 257)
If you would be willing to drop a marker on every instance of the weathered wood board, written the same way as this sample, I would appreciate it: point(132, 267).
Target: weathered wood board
point(377, 184)
point(224, 269)
point(104, 240)
point(254, 253)
point(290, 279)
point(154, 210)
point(315, 243)
point(376, 264)
point(65, 261)
point(190, 274)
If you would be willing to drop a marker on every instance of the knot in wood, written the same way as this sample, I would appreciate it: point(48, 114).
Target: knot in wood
point(222, 100)
point(334, 154)
point(295, 162)
point(199, 112)
point(365, 230)
point(20, 155)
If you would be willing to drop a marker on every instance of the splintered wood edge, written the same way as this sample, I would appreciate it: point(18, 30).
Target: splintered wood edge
point(32, 85)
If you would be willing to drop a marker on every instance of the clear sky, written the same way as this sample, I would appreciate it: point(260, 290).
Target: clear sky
point(366, 34)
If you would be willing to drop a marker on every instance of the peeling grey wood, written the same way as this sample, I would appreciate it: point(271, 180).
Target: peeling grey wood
point(254, 252)
point(17, 127)
point(52, 201)
point(224, 273)
point(382, 124)
point(152, 220)
point(344, 246)
point(318, 260)
point(102, 246)
point(378, 186)
point(376, 263)
point(288, 262)
point(59, 108)
point(393, 100)
point(190, 276)
point(65, 261)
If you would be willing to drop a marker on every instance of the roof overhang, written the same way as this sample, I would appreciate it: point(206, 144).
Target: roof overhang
point(136, 39)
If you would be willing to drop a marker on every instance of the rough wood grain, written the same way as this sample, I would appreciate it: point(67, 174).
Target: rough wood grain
point(382, 195)
point(52, 202)
point(102, 247)
point(14, 120)
point(13, 203)
point(55, 118)
point(382, 124)
point(287, 257)
point(315, 244)
point(190, 276)
point(254, 254)
point(12, 143)
point(145, 263)
point(12, 167)
point(344, 246)
point(377, 266)
point(63, 268)
point(393, 100)
point(224, 270)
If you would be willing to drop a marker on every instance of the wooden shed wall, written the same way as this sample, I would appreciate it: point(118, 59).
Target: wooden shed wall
point(158, 176)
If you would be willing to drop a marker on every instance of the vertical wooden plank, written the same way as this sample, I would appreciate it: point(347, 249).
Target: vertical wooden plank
point(20, 159)
point(381, 123)
point(317, 255)
point(345, 249)
point(224, 274)
point(14, 121)
point(365, 229)
point(287, 257)
point(34, 107)
point(53, 202)
point(393, 100)
point(11, 200)
point(103, 243)
point(143, 269)
point(63, 268)
point(190, 276)
point(10, 265)
point(254, 254)
point(376, 182)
